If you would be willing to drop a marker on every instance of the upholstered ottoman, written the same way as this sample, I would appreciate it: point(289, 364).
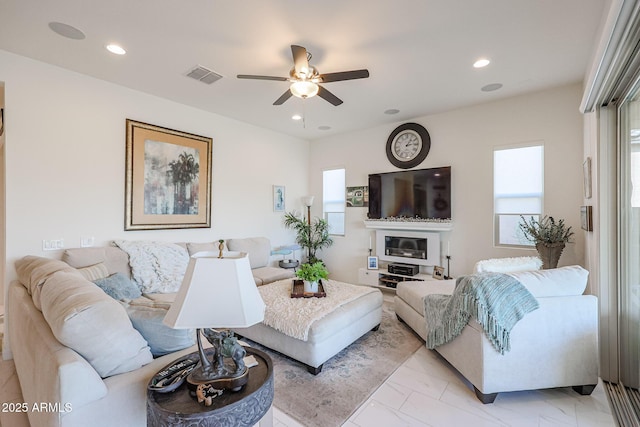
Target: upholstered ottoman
point(312, 330)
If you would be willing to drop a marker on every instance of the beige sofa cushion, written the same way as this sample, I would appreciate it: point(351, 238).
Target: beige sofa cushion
point(194, 248)
point(258, 248)
point(33, 271)
point(96, 326)
point(115, 259)
point(264, 275)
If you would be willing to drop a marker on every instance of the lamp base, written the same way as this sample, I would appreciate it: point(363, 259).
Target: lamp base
point(219, 380)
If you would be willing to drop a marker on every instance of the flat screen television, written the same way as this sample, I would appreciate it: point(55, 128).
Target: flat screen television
point(417, 193)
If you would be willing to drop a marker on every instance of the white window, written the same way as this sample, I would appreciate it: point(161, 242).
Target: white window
point(333, 200)
point(518, 177)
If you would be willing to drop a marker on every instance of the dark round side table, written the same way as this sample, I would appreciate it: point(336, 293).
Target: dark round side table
point(232, 409)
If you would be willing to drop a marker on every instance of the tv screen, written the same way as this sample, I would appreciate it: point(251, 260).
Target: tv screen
point(421, 193)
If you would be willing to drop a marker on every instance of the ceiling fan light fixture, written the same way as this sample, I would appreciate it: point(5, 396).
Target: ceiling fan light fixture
point(304, 89)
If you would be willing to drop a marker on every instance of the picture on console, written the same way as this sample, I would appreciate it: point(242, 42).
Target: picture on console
point(423, 193)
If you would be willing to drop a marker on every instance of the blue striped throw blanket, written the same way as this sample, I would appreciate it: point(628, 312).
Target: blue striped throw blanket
point(496, 301)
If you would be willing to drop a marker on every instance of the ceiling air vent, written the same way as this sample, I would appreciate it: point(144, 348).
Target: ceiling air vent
point(204, 75)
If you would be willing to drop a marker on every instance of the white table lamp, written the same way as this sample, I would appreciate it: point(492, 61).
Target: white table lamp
point(217, 293)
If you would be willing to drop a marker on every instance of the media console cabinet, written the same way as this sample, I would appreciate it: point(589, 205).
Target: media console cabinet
point(383, 279)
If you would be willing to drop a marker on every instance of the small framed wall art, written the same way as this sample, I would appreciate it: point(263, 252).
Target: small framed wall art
point(372, 262)
point(168, 178)
point(586, 221)
point(278, 198)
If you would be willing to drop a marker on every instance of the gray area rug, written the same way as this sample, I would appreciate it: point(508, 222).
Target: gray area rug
point(347, 379)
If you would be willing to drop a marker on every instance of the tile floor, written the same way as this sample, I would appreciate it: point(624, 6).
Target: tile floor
point(427, 391)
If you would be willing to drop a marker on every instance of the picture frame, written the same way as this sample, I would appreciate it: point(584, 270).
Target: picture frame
point(357, 197)
point(438, 272)
point(278, 198)
point(586, 218)
point(167, 178)
point(586, 175)
point(372, 262)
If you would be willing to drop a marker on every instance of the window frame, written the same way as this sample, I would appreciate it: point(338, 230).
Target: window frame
point(327, 213)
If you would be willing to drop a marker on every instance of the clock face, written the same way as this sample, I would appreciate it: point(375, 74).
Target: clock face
point(408, 145)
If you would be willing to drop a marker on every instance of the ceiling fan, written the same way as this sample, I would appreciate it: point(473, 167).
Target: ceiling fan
point(305, 79)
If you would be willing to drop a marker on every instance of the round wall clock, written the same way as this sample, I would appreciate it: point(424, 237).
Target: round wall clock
point(408, 145)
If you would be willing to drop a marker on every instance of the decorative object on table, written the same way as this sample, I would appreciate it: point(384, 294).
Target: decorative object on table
point(172, 376)
point(357, 197)
point(448, 275)
point(297, 290)
point(168, 178)
point(217, 292)
point(586, 175)
point(311, 274)
point(220, 248)
point(372, 262)
point(438, 272)
point(278, 198)
point(408, 145)
point(206, 393)
point(287, 250)
point(586, 219)
point(549, 236)
point(313, 236)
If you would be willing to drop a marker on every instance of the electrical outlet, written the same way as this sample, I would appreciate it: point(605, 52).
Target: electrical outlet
point(87, 241)
point(52, 245)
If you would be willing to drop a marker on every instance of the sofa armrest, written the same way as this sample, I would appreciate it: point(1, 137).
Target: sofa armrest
point(49, 372)
point(554, 346)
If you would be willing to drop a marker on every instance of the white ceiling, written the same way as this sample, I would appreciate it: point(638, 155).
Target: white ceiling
point(419, 52)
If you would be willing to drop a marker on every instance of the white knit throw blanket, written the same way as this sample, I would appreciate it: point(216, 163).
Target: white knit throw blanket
point(294, 316)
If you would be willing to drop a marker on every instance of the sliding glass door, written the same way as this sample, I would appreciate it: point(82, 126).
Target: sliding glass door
point(629, 238)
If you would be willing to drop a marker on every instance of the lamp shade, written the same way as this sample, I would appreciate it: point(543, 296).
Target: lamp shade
point(216, 293)
point(307, 201)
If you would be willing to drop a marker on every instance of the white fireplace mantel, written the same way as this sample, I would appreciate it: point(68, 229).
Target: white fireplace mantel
point(409, 225)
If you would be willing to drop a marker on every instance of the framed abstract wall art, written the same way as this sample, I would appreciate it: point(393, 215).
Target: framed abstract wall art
point(168, 178)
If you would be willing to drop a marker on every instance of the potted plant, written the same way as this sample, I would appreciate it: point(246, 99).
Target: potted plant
point(311, 274)
point(312, 235)
point(549, 236)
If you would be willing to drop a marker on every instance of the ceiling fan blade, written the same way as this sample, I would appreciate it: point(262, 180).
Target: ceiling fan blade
point(344, 75)
point(328, 96)
point(283, 98)
point(300, 59)
point(248, 76)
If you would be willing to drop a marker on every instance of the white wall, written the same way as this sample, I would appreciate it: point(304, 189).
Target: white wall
point(464, 139)
point(65, 158)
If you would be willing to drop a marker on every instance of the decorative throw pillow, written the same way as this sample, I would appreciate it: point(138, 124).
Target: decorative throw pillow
point(156, 266)
point(161, 339)
point(94, 272)
point(33, 272)
point(87, 320)
point(118, 286)
point(508, 265)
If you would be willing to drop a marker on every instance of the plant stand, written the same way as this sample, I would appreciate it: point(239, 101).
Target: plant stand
point(550, 254)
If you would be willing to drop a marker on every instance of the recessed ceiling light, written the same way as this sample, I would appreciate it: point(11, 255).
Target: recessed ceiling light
point(491, 87)
point(66, 30)
point(392, 111)
point(296, 117)
point(482, 62)
point(114, 48)
point(324, 127)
